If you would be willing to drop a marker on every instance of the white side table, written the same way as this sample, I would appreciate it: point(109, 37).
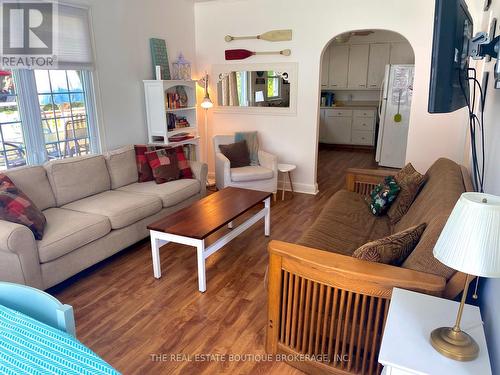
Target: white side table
point(286, 169)
point(406, 347)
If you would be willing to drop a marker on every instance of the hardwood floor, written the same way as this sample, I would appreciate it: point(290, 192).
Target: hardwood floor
point(128, 317)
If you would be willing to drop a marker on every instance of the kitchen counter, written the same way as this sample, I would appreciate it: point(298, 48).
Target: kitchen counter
point(354, 105)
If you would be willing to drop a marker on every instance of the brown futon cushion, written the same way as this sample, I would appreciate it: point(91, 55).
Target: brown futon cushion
point(344, 224)
point(410, 183)
point(393, 249)
point(237, 153)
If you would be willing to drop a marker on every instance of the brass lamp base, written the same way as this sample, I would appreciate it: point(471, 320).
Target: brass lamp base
point(453, 344)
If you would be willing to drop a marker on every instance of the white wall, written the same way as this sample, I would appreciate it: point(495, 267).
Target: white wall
point(122, 29)
point(314, 24)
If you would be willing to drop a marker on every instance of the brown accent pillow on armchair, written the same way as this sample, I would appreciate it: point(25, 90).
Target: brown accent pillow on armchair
point(410, 182)
point(393, 249)
point(237, 153)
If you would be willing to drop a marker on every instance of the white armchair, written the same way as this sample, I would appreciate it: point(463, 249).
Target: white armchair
point(263, 177)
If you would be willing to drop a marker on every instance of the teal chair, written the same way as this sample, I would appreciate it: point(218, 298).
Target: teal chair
point(38, 305)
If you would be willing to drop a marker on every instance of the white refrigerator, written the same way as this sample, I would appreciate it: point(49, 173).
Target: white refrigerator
point(395, 103)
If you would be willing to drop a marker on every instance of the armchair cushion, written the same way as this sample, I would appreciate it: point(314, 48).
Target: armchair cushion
point(251, 173)
point(237, 153)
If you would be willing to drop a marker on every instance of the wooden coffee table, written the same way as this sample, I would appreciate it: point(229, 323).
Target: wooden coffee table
point(193, 224)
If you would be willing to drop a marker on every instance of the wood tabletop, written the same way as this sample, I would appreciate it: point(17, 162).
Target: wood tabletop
point(209, 214)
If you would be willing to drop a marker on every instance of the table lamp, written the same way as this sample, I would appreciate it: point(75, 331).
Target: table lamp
point(469, 243)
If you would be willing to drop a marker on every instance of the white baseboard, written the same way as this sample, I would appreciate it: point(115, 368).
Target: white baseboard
point(297, 187)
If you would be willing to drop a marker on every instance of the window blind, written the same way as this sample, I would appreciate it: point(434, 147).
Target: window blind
point(73, 33)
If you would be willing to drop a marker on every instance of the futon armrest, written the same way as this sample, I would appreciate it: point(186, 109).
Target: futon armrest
point(353, 274)
point(222, 171)
point(200, 171)
point(268, 160)
point(362, 181)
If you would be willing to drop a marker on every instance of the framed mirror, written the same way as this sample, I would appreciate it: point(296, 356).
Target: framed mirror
point(269, 88)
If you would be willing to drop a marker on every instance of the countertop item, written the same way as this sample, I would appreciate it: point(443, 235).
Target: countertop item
point(29, 346)
point(406, 347)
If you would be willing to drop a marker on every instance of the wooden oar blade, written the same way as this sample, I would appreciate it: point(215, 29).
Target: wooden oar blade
point(276, 35)
point(238, 54)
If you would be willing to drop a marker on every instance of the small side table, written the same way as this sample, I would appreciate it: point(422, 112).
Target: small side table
point(406, 347)
point(286, 169)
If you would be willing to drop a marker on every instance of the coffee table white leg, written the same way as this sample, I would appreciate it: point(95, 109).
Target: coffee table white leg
point(155, 252)
point(200, 250)
point(267, 218)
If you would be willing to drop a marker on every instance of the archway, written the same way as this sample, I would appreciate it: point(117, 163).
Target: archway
point(366, 89)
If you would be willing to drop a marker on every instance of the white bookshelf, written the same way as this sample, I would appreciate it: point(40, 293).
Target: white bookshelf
point(157, 110)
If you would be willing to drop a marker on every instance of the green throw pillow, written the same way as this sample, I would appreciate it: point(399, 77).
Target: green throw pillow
point(383, 195)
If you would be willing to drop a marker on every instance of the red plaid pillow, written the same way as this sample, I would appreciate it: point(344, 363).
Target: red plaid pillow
point(143, 168)
point(16, 207)
point(185, 169)
point(163, 162)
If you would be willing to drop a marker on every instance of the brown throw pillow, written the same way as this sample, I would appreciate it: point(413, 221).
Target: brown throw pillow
point(143, 169)
point(237, 153)
point(393, 249)
point(164, 165)
point(410, 182)
point(16, 207)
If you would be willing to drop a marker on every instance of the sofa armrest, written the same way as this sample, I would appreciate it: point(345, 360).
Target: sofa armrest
point(333, 306)
point(200, 171)
point(362, 181)
point(268, 161)
point(19, 259)
point(222, 171)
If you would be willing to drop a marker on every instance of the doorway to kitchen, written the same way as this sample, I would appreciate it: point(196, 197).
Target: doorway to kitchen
point(366, 92)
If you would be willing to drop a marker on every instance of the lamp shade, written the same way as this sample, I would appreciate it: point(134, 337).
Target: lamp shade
point(207, 102)
point(470, 240)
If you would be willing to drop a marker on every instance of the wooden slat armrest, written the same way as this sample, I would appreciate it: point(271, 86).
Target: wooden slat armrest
point(362, 181)
point(353, 274)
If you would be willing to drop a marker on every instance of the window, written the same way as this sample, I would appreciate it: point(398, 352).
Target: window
point(273, 85)
point(50, 114)
point(242, 88)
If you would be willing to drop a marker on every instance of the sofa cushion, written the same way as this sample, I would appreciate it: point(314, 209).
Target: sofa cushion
point(33, 181)
point(250, 173)
point(344, 224)
point(410, 182)
point(122, 167)
point(76, 178)
point(121, 208)
point(171, 193)
point(16, 207)
point(68, 230)
point(393, 249)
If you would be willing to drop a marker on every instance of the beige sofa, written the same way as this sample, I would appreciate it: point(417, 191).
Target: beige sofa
point(94, 208)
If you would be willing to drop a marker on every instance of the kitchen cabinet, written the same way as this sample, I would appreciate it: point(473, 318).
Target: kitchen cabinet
point(378, 59)
point(325, 63)
point(338, 66)
point(347, 126)
point(401, 53)
point(358, 66)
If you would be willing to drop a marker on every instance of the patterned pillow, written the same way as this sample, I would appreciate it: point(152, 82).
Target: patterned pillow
point(383, 195)
point(143, 169)
point(183, 163)
point(16, 207)
point(410, 182)
point(163, 163)
point(393, 249)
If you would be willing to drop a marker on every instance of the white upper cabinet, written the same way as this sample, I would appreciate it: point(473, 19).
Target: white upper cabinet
point(324, 68)
point(379, 58)
point(358, 66)
point(401, 53)
point(338, 66)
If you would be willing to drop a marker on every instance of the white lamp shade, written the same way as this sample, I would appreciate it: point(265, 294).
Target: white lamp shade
point(206, 103)
point(470, 240)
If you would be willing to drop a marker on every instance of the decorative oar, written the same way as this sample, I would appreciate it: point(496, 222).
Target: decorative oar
point(240, 54)
point(270, 36)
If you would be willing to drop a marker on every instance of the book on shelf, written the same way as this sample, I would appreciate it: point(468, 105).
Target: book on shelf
point(176, 122)
point(189, 151)
point(180, 137)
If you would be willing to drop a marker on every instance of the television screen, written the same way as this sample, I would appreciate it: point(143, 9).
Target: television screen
point(450, 56)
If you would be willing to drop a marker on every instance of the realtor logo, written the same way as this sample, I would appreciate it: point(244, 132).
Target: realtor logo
point(27, 34)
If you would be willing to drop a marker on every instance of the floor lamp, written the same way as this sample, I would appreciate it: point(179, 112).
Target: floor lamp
point(206, 104)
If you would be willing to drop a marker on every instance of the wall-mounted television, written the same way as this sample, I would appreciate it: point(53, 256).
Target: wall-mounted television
point(449, 86)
